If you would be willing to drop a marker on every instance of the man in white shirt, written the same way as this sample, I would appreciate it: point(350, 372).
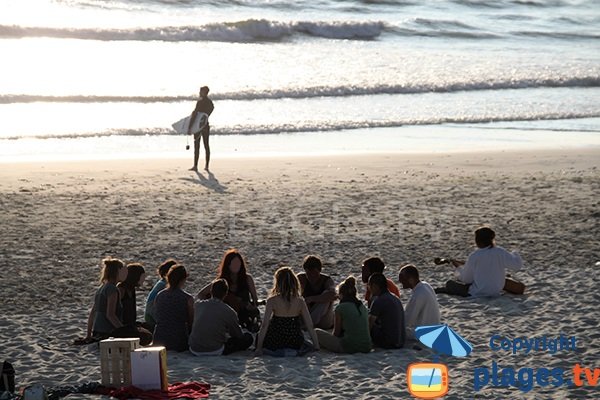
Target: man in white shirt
point(484, 273)
point(422, 308)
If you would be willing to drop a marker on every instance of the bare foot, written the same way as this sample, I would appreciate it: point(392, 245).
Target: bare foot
point(193, 169)
point(206, 168)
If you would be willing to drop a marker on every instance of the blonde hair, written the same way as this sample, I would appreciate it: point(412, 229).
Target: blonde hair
point(285, 284)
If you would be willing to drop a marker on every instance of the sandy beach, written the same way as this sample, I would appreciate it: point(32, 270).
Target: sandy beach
point(60, 219)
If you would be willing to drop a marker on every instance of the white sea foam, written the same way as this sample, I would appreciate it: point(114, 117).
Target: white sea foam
point(252, 30)
point(263, 30)
point(327, 91)
point(126, 69)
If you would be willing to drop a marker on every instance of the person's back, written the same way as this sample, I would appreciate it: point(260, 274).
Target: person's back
point(485, 270)
point(355, 325)
point(213, 321)
point(171, 328)
point(102, 324)
point(285, 326)
point(285, 312)
point(390, 329)
point(422, 308)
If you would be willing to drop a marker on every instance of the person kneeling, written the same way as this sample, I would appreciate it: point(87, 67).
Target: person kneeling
point(214, 321)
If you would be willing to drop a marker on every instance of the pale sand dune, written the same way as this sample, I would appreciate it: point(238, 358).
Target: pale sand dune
point(60, 219)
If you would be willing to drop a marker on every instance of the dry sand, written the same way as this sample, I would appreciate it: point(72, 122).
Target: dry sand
point(60, 219)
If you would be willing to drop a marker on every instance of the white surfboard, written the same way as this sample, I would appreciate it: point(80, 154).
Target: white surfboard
point(183, 124)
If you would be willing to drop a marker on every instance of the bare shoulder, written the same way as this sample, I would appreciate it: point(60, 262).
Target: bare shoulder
point(298, 303)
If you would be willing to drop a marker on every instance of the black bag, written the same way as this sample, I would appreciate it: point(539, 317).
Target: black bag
point(7, 379)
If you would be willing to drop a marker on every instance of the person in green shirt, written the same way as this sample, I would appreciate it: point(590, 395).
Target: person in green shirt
point(351, 323)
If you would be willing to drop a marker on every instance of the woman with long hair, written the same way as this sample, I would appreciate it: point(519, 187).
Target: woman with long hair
point(174, 312)
point(351, 323)
point(135, 277)
point(281, 330)
point(242, 290)
point(131, 328)
point(106, 313)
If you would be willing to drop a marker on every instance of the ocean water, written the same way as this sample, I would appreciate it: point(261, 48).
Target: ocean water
point(106, 78)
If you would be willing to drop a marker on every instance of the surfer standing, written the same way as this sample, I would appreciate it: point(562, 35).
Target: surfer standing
point(203, 105)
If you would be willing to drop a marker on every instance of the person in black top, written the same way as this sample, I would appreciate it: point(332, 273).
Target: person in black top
point(131, 328)
point(386, 315)
point(204, 105)
point(318, 291)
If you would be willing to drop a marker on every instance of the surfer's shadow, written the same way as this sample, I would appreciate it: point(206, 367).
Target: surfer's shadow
point(210, 182)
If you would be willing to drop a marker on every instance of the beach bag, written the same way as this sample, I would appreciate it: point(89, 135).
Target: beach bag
point(7, 379)
point(513, 286)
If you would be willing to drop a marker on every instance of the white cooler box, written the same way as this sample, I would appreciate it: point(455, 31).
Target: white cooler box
point(149, 368)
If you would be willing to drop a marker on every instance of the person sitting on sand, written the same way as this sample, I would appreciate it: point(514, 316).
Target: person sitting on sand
point(135, 277)
point(242, 291)
point(422, 308)
point(131, 328)
point(386, 315)
point(371, 266)
point(216, 329)
point(351, 323)
point(106, 313)
point(281, 330)
point(158, 286)
point(484, 273)
point(174, 312)
point(318, 291)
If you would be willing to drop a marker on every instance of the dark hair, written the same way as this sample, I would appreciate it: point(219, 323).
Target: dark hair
point(380, 281)
point(205, 88)
point(110, 269)
point(165, 266)
point(312, 263)
point(219, 289)
point(134, 272)
point(223, 271)
point(176, 275)
point(374, 264)
point(484, 237)
point(285, 284)
point(347, 292)
point(410, 271)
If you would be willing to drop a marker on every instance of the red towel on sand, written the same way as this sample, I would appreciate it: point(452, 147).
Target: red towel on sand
point(188, 390)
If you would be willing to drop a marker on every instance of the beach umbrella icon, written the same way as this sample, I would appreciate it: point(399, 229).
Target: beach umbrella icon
point(443, 339)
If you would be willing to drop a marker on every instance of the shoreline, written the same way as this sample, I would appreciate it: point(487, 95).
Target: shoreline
point(431, 139)
point(469, 160)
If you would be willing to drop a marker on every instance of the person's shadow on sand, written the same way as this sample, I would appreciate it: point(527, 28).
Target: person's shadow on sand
point(210, 182)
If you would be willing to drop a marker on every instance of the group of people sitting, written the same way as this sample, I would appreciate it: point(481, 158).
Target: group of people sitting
point(224, 316)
